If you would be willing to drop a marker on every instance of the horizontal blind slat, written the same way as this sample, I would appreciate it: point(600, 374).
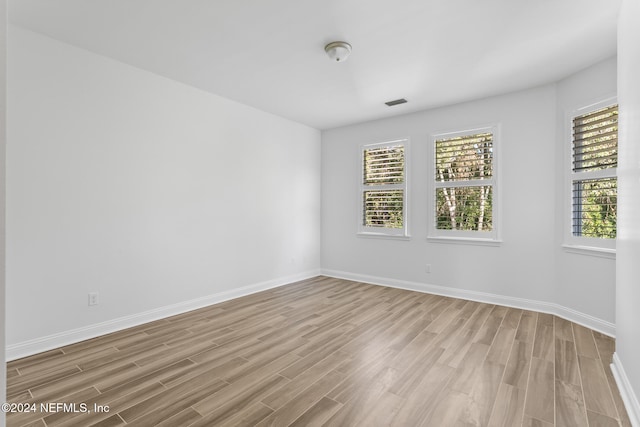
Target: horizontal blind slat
point(596, 124)
point(597, 116)
point(593, 134)
point(608, 145)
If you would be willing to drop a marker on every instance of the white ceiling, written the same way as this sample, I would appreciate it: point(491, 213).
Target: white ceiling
point(269, 53)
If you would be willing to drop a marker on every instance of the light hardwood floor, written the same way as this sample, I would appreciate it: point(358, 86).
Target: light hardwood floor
point(330, 352)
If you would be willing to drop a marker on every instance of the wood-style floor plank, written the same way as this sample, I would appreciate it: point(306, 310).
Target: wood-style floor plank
point(585, 343)
point(519, 364)
point(318, 414)
point(508, 408)
point(330, 352)
point(540, 391)
point(597, 395)
point(570, 410)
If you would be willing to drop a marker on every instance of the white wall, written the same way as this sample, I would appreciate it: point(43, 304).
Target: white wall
point(527, 121)
point(148, 191)
point(3, 98)
point(523, 270)
point(627, 358)
point(585, 283)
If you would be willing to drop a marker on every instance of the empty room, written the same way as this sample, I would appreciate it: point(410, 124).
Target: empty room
point(339, 213)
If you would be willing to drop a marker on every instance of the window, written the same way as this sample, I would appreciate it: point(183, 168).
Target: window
point(383, 189)
point(464, 185)
point(594, 160)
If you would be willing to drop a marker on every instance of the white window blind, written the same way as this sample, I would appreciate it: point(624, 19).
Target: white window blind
point(383, 188)
point(464, 182)
point(594, 177)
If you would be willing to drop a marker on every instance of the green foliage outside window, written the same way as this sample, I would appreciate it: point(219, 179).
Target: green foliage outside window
point(465, 164)
point(595, 208)
point(383, 209)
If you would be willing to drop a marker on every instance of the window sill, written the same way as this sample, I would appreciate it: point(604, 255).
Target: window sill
point(465, 241)
point(383, 236)
point(590, 251)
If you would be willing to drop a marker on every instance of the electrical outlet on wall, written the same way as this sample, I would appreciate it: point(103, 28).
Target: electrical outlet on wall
point(427, 268)
point(93, 298)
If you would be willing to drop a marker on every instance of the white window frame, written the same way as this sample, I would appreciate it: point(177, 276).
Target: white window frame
point(396, 233)
point(485, 238)
point(593, 246)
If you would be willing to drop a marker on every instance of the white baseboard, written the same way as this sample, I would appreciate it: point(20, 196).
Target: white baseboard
point(583, 319)
point(626, 391)
point(38, 345)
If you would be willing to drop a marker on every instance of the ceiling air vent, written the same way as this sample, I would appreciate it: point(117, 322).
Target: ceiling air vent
point(395, 102)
